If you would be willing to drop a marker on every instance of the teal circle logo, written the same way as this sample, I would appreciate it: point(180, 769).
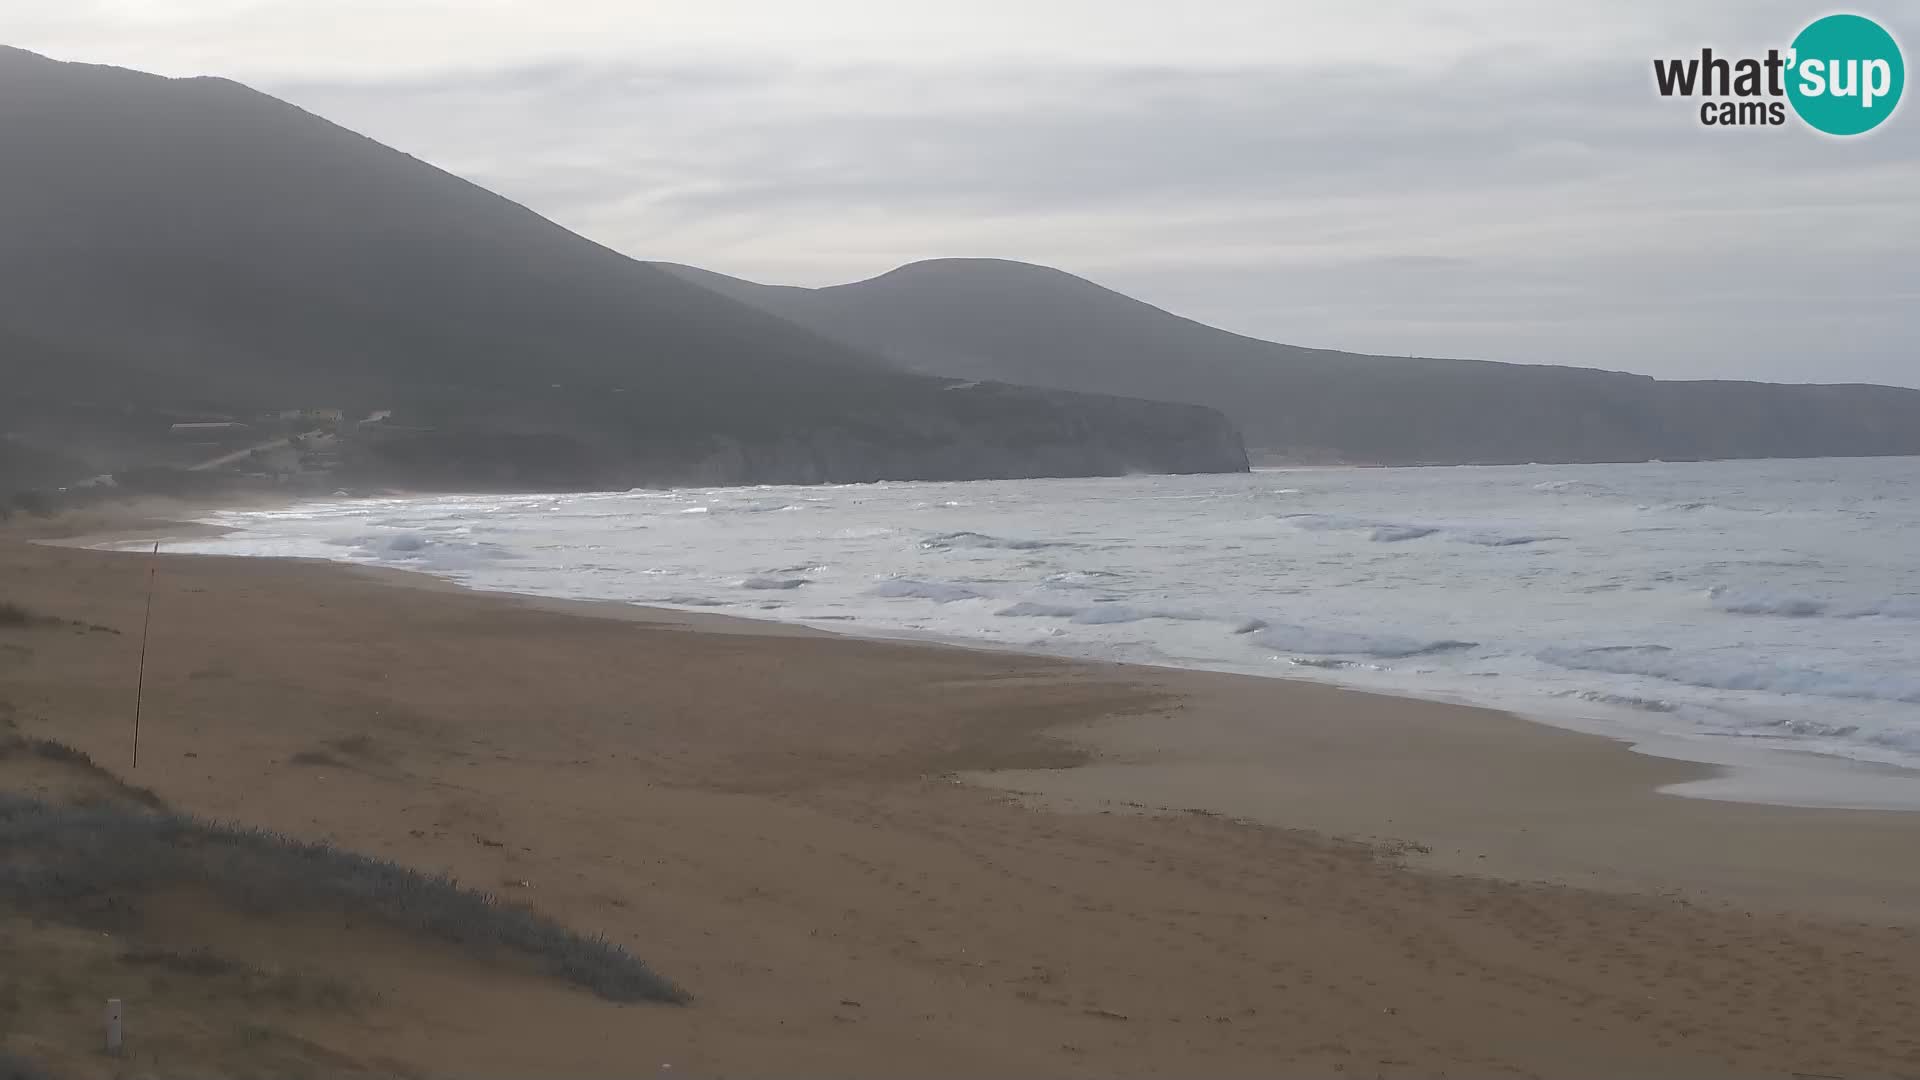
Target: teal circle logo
point(1845, 75)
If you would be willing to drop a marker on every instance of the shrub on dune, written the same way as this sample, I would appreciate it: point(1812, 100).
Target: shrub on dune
point(67, 860)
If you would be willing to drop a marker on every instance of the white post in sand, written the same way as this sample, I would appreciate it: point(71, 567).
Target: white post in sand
point(113, 1026)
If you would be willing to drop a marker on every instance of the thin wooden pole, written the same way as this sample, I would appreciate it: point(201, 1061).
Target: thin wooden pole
point(140, 685)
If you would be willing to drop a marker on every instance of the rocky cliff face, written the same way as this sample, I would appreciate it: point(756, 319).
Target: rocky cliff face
point(1123, 436)
point(1005, 432)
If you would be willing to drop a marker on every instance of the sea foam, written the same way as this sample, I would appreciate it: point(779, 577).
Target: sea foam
point(1793, 624)
point(1740, 600)
point(966, 539)
point(940, 592)
point(1737, 673)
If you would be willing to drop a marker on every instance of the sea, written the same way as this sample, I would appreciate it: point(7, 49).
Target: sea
point(1772, 604)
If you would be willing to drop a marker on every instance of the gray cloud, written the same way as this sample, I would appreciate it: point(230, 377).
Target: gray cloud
point(1489, 178)
point(1496, 207)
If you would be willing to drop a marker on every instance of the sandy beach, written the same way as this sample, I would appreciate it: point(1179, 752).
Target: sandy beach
point(880, 859)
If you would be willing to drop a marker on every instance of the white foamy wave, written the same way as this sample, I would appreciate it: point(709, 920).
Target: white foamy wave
point(1489, 538)
point(940, 592)
point(1659, 662)
point(1753, 601)
point(773, 583)
point(1106, 614)
point(1382, 532)
point(1394, 532)
point(1034, 609)
point(442, 551)
point(1764, 602)
point(1283, 637)
point(720, 505)
point(944, 541)
point(1081, 579)
point(1621, 701)
point(1589, 488)
point(385, 544)
point(1801, 727)
point(1693, 506)
point(1892, 608)
point(1904, 741)
point(1101, 614)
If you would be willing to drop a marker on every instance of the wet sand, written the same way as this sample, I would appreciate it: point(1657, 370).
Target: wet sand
point(1484, 793)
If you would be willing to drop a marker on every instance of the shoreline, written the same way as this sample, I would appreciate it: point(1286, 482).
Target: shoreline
point(1137, 764)
point(1725, 769)
point(862, 856)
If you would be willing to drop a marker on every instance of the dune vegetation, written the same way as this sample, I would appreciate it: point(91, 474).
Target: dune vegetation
point(93, 863)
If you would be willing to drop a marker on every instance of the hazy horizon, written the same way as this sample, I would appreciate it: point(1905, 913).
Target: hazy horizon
point(1484, 180)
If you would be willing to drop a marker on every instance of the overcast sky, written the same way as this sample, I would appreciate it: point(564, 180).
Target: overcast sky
point(1483, 178)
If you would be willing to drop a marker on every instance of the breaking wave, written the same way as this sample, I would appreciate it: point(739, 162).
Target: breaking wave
point(1621, 701)
point(1576, 487)
point(1097, 614)
point(946, 541)
point(1573, 489)
point(1081, 579)
point(1488, 538)
point(1394, 532)
point(434, 552)
point(1283, 637)
point(1659, 662)
point(1751, 601)
point(1380, 532)
point(772, 583)
point(940, 592)
point(1263, 633)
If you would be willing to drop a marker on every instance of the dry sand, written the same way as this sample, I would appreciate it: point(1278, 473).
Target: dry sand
point(778, 821)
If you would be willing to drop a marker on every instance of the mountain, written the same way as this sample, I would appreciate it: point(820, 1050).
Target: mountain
point(991, 319)
point(189, 249)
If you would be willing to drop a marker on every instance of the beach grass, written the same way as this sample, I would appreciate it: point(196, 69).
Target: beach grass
point(93, 863)
point(17, 746)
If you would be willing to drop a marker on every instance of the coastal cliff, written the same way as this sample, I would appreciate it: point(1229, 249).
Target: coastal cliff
point(972, 432)
point(994, 319)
